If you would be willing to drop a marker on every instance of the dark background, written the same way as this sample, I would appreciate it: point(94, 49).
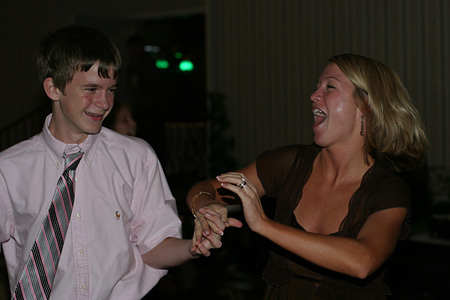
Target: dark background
point(191, 118)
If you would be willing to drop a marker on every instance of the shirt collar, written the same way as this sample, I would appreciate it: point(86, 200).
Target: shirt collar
point(56, 148)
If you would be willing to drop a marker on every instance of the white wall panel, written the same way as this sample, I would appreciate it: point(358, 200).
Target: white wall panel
point(268, 55)
point(265, 56)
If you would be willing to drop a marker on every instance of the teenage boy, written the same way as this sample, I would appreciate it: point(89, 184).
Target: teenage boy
point(122, 230)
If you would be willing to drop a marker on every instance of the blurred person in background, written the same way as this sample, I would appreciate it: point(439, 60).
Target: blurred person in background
point(121, 119)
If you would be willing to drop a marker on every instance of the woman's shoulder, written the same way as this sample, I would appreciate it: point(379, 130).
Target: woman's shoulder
point(386, 186)
point(382, 174)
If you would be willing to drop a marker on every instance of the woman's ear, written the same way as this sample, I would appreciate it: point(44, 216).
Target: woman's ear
point(50, 89)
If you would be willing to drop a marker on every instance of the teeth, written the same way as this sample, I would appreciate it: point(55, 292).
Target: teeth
point(318, 112)
point(92, 114)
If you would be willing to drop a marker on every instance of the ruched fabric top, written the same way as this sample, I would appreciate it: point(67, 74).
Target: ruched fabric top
point(283, 173)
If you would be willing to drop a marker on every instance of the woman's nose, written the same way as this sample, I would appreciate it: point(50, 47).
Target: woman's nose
point(315, 96)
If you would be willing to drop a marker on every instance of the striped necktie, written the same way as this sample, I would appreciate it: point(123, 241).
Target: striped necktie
point(40, 268)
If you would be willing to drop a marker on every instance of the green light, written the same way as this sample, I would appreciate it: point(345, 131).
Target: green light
point(162, 64)
point(186, 65)
point(178, 55)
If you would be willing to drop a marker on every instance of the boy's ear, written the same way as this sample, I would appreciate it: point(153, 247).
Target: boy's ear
point(50, 89)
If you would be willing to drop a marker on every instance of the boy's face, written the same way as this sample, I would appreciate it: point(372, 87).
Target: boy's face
point(83, 106)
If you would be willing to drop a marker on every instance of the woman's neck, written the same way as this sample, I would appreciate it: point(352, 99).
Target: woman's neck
point(342, 166)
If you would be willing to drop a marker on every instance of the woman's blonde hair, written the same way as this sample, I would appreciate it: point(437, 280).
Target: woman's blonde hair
point(394, 131)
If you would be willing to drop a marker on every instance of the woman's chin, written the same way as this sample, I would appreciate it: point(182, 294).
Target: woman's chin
point(317, 141)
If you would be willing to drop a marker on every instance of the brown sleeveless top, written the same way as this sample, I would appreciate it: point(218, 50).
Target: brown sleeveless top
point(283, 172)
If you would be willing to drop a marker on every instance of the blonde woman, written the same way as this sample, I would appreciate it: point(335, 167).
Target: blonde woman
point(340, 207)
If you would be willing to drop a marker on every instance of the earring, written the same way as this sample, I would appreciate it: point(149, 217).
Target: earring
point(362, 126)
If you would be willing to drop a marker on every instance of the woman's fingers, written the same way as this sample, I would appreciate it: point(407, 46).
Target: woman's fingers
point(232, 222)
point(198, 233)
point(211, 242)
point(202, 224)
point(203, 250)
point(251, 203)
point(214, 241)
point(216, 220)
point(239, 180)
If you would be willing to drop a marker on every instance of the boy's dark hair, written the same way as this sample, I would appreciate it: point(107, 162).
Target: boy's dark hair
point(76, 48)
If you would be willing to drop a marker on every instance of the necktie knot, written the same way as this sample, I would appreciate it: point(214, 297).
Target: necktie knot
point(72, 158)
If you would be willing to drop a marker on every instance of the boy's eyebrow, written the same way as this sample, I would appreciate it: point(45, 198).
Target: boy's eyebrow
point(90, 85)
point(98, 85)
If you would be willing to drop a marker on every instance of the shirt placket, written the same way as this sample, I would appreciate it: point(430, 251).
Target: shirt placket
point(79, 232)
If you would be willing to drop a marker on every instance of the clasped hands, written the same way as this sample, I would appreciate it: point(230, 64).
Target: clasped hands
point(212, 219)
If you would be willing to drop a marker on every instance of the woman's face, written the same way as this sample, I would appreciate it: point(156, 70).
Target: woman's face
point(337, 120)
point(124, 122)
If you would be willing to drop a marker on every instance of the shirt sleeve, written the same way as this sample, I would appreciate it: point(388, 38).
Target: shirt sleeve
point(380, 189)
point(273, 167)
point(154, 208)
point(392, 192)
point(5, 213)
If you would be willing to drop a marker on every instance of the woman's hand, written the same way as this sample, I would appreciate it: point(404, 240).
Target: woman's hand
point(247, 192)
point(206, 244)
point(210, 223)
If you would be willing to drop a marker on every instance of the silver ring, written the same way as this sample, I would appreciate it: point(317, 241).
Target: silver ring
point(243, 183)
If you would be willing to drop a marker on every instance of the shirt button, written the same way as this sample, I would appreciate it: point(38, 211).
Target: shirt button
point(83, 287)
point(78, 216)
point(89, 162)
point(76, 179)
point(58, 163)
point(80, 252)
